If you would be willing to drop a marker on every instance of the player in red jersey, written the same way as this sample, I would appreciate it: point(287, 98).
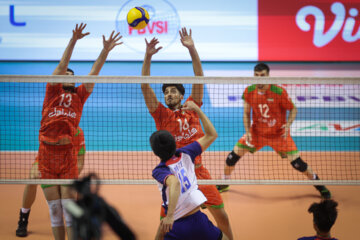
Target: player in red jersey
point(269, 104)
point(324, 217)
point(61, 114)
point(184, 125)
point(30, 189)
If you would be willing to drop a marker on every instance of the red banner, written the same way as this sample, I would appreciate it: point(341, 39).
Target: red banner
point(302, 30)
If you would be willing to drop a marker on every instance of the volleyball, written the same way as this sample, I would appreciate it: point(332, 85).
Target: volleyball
point(138, 18)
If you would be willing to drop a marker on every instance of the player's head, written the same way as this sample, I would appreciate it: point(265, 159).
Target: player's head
point(173, 94)
point(325, 214)
point(163, 144)
point(69, 87)
point(261, 70)
point(69, 72)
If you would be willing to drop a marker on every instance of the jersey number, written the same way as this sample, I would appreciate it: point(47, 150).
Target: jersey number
point(184, 180)
point(184, 126)
point(65, 100)
point(264, 110)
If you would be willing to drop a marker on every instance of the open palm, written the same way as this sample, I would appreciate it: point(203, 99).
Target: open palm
point(186, 38)
point(77, 32)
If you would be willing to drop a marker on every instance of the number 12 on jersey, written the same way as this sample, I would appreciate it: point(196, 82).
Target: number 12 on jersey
point(184, 180)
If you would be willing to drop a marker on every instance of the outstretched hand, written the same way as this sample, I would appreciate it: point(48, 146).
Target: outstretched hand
point(186, 38)
point(151, 46)
point(112, 42)
point(77, 32)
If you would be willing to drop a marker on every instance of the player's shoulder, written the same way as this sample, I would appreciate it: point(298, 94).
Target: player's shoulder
point(248, 91)
point(250, 88)
point(276, 89)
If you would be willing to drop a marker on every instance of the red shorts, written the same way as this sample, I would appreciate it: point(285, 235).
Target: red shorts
point(57, 162)
point(213, 196)
point(281, 145)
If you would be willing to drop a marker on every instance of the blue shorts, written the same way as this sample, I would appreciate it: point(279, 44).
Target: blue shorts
point(194, 227)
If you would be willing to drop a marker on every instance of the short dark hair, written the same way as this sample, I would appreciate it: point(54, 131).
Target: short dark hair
point(261, 66)
point(179, 87)
point(70, 70)
point(163, 144)
point(325, 214)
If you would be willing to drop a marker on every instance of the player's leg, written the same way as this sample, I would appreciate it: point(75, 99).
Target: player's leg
point(214, 202)
point(239, 150)
point(287, 148)
point(222, 220)
point(29, 196)
point(53, 197)
point(297, 162)
point(67, 194)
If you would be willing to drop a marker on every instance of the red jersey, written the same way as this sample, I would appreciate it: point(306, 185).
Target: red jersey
point(268, 109)
point(61, 112)
point(184, 125)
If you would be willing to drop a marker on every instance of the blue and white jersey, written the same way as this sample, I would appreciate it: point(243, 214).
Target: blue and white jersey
point(181, 165)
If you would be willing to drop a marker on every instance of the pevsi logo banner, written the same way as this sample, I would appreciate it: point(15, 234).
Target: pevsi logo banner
point(302, 30)
point(164, 24)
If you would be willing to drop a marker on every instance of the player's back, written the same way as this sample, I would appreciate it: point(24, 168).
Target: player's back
point(181, 165)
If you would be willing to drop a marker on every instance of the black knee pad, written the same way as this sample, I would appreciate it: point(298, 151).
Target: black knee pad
point(299, 164)
point(232, 159)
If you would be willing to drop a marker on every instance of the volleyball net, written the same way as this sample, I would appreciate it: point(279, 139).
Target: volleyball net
point(117, 125)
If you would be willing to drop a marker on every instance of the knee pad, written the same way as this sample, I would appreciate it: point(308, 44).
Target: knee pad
point(67, 215)
point(232, 159)
point(299, 164)
point(56, 213)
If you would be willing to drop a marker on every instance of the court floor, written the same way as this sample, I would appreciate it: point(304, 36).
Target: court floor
point(256, 212)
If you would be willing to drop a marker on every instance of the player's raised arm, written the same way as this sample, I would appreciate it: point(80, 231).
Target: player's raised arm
point(210, 131)
point(197, 91)
point(148, 93)
point(108, 45)
point(64, 62)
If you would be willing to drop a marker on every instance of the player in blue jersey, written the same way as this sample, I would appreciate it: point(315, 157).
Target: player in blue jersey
point(325, 214)
point(178, 184)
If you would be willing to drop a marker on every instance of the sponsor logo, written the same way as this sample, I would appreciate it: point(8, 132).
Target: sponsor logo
point(186, 134)
point(61, 112)
point(303, 30)
point(164, 24)
point(326, 128)
point(322, 37)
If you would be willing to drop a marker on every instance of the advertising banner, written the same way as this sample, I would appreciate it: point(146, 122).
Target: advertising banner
point(41, 29)
point(303, 30)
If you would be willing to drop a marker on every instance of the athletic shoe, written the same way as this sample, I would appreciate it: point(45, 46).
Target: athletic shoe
point(222, 188)
point(21, 231)
point(324, 192)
